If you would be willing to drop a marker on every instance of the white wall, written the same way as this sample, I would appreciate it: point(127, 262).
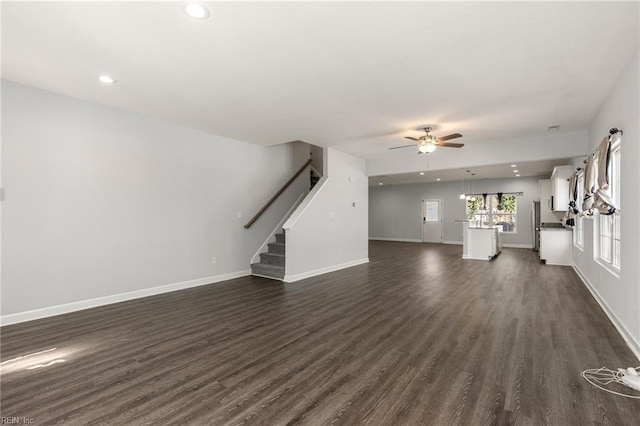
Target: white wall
point(395, 211)
point(317, 158)
point(619, 295)
point(328, 232)
point(101, 202)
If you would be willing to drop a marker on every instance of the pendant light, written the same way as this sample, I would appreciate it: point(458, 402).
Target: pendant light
point(473, 188)
point(462, 194)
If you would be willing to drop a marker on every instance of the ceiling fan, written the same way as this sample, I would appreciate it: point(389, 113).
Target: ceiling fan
point(428, 143)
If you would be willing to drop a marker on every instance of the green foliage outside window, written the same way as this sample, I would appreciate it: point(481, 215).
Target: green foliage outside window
point(491, 213)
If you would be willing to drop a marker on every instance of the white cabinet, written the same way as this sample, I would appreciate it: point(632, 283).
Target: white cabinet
point(555, 246)
point(560, 188)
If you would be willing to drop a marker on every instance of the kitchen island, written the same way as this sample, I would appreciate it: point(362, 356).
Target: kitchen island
point(480, 242)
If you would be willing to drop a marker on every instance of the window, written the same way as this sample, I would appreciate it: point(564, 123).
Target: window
point(493, 213)
point(432, 211)
point(578, 230)
point(609, 225)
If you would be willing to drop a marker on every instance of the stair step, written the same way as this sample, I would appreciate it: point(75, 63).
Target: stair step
point(269, 271)
point(314, 180)
point(280, 238)
point(276, 248)
point(272, 259)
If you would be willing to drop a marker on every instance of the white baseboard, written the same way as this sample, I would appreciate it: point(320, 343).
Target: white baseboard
point(298, 277)
point(626, 335)
point(524, 246)
point(457, 243)
point(399, 240)
point(107, 300)
point(475, 258)
point(557, 264)
point(266, 276)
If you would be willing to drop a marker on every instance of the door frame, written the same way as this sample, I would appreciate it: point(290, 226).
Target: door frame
point(440, 217)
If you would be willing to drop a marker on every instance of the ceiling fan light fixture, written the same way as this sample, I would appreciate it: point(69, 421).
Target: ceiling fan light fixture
point(106, 79)
point(426, 147)
point(428, 143)
point(196, 11)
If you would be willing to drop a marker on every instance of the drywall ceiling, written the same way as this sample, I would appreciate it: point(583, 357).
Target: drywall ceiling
point(540, 169)
point(358, 76)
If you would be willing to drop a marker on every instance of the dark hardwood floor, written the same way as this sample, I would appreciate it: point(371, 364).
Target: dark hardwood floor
point(417, 336)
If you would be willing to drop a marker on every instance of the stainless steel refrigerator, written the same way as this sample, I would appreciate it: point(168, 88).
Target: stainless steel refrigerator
point(535, 224)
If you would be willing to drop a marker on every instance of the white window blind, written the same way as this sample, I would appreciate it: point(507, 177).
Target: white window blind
point(609, 225)
point(578, 230)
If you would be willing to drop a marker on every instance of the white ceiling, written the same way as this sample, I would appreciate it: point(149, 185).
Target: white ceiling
point(358, 76)
point(540, 169)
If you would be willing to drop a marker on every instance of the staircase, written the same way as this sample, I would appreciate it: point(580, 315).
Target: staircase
point(314, 179)
point(271, 263)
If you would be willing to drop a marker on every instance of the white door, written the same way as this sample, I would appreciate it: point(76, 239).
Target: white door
point(432, 220)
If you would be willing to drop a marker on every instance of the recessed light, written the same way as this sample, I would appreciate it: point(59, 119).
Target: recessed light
point(438, 179)
point(421, 173)
point(107, 79)
point(515, 171)
point(513, 165)
point(380, 183)
point(517, 175)
point(196, 11)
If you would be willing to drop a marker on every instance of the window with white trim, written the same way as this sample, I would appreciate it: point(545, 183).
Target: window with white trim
point(609, 225)
point(578, 230)
point(493, 213)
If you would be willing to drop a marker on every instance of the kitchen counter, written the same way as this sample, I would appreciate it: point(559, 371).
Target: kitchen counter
point(551, 225)
point(556, 246)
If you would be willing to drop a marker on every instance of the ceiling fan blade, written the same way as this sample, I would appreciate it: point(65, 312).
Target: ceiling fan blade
point(413, 139)
point(404, 146)
point(451, 145)
point(451, 136)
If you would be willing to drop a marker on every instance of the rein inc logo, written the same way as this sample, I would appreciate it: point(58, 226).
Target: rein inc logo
point(6, 420)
